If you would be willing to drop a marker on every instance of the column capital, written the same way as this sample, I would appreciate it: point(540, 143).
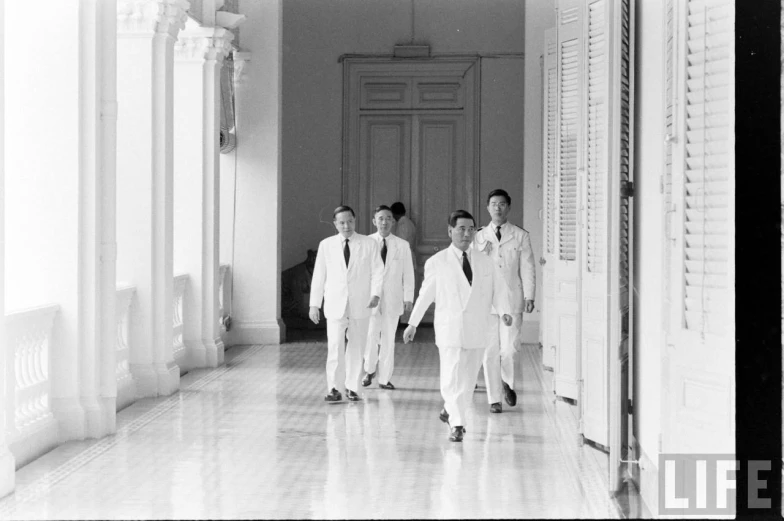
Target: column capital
point(205, 43)
point(148, 17)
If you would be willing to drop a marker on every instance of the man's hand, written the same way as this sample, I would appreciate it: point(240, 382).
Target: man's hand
point(373, 301)
point(529, 306)
point(507, 319)
point(314, 314)
point(407, 307)
point(408, 334)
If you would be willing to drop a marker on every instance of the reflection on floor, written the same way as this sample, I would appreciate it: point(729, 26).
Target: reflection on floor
point(254, 439)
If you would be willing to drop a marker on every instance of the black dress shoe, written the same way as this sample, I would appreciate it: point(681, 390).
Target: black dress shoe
point(333, 396)
point(368, 379)
point(352, 396)
point(457, 433)
point(495, 407)
point(444, 416)
point(509, 395)
point(387, 385)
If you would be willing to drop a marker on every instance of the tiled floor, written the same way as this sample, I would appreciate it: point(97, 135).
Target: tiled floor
point(254, 439)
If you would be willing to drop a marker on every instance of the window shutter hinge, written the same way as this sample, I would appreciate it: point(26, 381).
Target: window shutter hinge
point(629, 406)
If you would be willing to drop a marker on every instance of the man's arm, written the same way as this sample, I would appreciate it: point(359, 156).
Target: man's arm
point(427, 294)
point(376, 274)
point(317, 284)
point(408, 275)
point(527, 268)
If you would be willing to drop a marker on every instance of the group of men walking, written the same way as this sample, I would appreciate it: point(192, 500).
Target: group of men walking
point(481, 286)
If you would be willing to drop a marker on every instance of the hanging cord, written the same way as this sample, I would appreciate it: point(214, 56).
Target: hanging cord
point(234, 204)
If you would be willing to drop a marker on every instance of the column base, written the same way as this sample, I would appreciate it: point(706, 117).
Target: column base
point(95, 425)
point(7, 472)
point(126, 392)
point(156, 379)
point(109, 410)
point(168, 378)
point(254, 333)
point(70, 418)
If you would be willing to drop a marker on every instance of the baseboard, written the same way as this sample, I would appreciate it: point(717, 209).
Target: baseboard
point(530, 331)
point(255, 333)
point(7, 471)
point(33, 442)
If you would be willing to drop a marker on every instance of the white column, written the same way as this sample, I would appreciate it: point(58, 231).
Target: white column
point(199, 55)
point(96, 253)
point(147, 30)
point(7, 462)
point(256, 313)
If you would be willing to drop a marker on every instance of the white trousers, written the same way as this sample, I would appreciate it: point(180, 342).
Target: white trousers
point(381, 331)
point(344, 360)
point(459, 371)
point(500, 356)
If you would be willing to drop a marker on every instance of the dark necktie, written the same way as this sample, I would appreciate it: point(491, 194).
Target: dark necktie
point(498, 233)
point(467, 269)
point(384, 251)
point(346, 252)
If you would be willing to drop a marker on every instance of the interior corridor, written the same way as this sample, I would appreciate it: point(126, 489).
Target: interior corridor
point(254, 439)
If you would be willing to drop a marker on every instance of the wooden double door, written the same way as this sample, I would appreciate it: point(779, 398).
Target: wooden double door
point(410, 136)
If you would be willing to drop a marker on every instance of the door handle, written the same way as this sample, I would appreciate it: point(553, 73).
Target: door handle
point(435, 249)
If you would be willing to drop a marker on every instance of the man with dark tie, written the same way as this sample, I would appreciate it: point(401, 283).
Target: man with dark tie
point(348, 276)
point(397, 297)
point(466, 289)
point(509, 247)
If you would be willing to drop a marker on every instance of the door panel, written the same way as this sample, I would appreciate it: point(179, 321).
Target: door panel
point(550, 129)
point(698, 377)
point(384, 164)
point(565, 271)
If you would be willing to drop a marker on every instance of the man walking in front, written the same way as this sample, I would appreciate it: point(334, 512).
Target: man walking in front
point(509, 248)
point(465, 288)
point(348, 276)
point(397, 296)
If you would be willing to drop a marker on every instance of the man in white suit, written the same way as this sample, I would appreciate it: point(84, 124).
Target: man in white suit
point(509, 247)
point(397, 296)
point(465, 288)
point(348, 276)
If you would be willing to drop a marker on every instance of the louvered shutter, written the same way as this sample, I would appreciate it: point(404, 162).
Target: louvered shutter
point(569, 162)
point(569, 98)
point(708, 163)
point(549, 162)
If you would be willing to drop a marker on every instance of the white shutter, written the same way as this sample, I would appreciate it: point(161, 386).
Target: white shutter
point(596, 183)
point(569, 98)
point(707, 167)
point(551, 137)
point(549, 162)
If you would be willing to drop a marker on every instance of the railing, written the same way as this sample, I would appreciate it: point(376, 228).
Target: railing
point(126, 385)
point(32, 426)
point(224, 294)
point(178, 298)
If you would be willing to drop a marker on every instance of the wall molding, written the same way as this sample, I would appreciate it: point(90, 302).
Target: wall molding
point(257, 332)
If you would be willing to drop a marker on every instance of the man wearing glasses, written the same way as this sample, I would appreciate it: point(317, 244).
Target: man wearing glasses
point(509, 247)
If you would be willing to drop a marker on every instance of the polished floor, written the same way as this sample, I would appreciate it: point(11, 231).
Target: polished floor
point(254, 439)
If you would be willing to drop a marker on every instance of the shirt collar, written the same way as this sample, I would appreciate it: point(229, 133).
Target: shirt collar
point(459, 253)
point(494, 227)
point(350, 237)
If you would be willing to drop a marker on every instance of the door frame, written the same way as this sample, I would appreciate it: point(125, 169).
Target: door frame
point(355, 68)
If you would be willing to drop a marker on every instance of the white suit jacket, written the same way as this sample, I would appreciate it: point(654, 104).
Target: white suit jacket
point(398, 276)
point(463, 312)
point(337, 284)
point(513, 258)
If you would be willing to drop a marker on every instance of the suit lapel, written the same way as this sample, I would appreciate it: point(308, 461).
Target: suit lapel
point(463, 287)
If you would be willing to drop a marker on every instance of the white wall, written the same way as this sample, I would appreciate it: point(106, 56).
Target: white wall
point(317, 33)
point(257, 249)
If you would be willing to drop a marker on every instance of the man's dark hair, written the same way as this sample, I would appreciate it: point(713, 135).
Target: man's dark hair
point(499, 192)
point(341, 209)
point(382, 207)
point(460, 214)
point(398, 209)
